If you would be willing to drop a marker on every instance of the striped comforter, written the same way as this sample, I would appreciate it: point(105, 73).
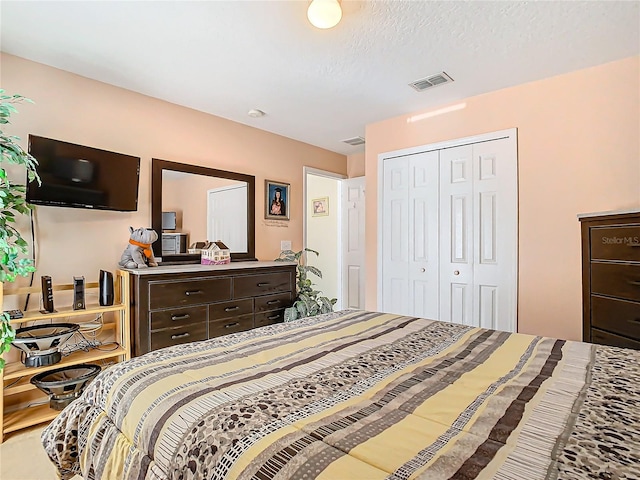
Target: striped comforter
point(358, 395)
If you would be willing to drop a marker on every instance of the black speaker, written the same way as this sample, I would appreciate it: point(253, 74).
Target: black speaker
point(47, 294)
point(106, 288)
point(78, 293)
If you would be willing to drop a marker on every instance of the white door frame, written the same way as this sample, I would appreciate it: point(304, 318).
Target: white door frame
point(508, 133)
point(322, 173)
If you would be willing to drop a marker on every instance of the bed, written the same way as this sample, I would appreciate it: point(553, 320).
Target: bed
point(358, 395)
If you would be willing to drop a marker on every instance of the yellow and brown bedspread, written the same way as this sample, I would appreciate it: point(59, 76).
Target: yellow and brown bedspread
point(359, 395)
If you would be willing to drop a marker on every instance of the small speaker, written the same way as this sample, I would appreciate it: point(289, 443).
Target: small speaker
point(78, 293)
point(106, 288)
point(47, 294)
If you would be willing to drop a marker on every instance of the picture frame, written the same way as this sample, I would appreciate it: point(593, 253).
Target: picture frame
point(320, 206)
point(276, 202)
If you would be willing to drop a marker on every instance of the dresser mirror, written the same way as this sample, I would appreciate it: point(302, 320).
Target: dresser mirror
point(192, 204)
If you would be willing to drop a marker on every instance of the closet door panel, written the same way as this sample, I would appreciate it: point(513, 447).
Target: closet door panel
point(456, 235)
point(423, 234)
point(395, 237)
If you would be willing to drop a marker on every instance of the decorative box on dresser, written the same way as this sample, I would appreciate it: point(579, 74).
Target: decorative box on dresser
point(176, 304)
point(611, 278)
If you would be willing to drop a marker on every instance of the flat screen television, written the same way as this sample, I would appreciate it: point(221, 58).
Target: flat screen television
point(83, 177)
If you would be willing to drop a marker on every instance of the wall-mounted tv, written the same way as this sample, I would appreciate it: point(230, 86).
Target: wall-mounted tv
point(83, 177)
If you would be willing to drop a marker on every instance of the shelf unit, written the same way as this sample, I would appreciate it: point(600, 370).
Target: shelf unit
point(15, 376)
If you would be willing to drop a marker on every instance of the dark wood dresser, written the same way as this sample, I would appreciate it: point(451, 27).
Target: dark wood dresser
point(611, 278)
point(178, 304)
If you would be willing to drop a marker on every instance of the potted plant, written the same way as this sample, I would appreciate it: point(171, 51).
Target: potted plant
point(12, 203)
point(309, 302)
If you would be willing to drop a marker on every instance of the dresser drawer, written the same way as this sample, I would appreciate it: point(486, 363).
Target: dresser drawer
point(616, 280)
point(269, 318)
point(176, 336)
point(263, 284)
point(177, 317)
point(605, 338)
point(616, 243)
point(617, 316)
point(273, 302)
point(233, 308)
point(189, 292)
point(221, 327)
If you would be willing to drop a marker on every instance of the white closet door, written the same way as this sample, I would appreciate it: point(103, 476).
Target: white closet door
point(495, 234)
point(395, 237)
point(423, 234)
point(456, 235)
point(227, 218)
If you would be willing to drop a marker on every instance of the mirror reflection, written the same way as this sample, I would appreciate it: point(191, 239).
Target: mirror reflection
point(192, 205)
point(217, 211)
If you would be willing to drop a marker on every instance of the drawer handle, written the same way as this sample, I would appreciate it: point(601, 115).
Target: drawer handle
point(273, 317)
point(231, 309)
point(231, 325)
point(634, 282)
point(189, 293)
point(180, 317)
point(263, 284)
point(271, 302)
point(180, 335)
point(634, 320)
point(634, 244)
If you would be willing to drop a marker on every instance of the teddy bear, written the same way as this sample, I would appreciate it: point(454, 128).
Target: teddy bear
point(138, 253)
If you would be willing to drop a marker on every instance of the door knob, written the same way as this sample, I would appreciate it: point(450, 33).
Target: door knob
point(456, 272)
point(423, 269)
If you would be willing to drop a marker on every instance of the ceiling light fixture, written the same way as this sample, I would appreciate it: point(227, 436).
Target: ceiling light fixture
point(324, 13)
point(255, 113)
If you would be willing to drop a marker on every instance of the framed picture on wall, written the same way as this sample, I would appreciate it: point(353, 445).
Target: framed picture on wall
point(320, 206)
point(276, 200)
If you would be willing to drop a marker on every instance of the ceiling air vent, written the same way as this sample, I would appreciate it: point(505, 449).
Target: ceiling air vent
point(354, 141)
point(431, 81)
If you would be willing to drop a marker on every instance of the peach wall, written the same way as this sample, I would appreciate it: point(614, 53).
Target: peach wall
point(79, 110)
point(355, 165)
point(578, 151)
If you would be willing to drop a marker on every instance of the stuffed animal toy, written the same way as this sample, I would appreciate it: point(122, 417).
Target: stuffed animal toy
point(138, 253)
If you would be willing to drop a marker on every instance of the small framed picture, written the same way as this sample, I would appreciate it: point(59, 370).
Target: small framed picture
point(320, 206)
point(276, 200)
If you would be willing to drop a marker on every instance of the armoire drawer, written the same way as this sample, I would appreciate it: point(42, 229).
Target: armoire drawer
point(261, 284)
point(616, 243)
point(606, 338)
point(177, 317)
point(176, 336)
point(616, 280)
point(272, 302)
point(617, 316)
point(189, 292)
point(226, 326)
point(269, 318)
point(233, 308)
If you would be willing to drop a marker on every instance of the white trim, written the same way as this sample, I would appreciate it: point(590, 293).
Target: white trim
point(485, 137)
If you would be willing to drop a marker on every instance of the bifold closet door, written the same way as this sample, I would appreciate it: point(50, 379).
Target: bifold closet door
point(478, 234)
point(410, 235)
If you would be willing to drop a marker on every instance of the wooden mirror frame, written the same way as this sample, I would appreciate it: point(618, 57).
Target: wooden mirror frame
point(158, 166)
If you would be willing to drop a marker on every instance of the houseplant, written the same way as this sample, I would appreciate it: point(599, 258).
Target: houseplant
point(12, 203)
point(309, 302)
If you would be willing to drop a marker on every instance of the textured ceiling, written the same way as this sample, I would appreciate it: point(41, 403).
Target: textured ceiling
point(317, 86)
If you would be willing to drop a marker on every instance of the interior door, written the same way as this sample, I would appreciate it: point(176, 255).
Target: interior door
point(353, 243)
point(495, 234)
point(225, 206)
point(410, 235)
point(456, 235)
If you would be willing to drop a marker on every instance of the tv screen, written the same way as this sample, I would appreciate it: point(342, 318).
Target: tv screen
point(83, 177)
